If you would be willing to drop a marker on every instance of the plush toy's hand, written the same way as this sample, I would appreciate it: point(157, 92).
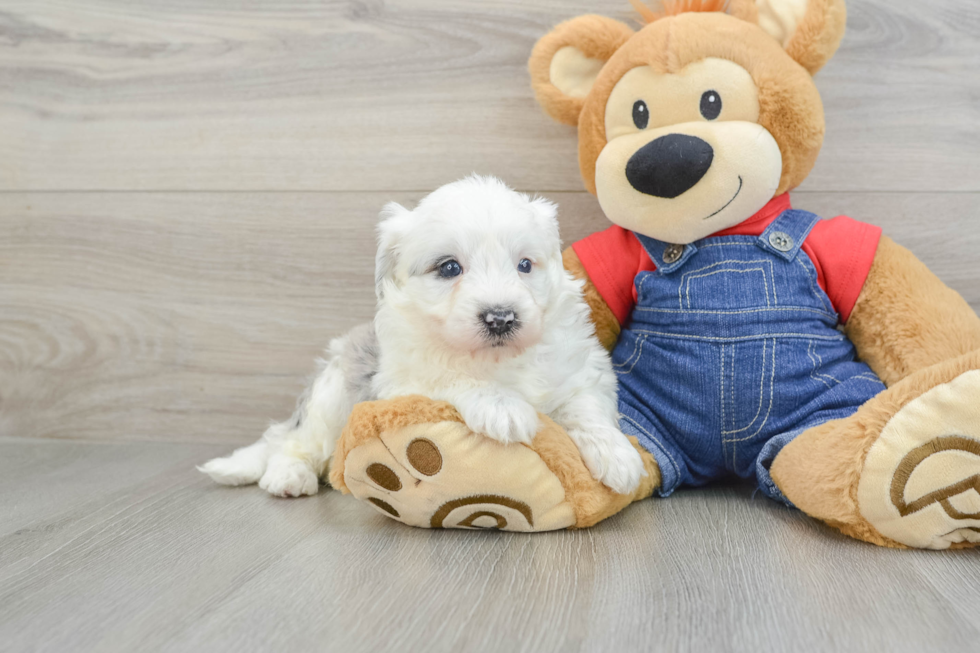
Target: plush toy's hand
point(906, 319)
point(606, 325)
point(611, 458)
point(504, 418)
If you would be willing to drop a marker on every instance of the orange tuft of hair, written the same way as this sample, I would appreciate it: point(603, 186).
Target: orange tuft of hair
point(674, 7)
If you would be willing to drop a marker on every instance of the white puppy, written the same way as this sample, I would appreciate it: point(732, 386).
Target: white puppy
point(474, 308)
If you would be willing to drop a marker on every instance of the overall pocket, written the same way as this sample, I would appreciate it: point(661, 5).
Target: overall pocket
point(628, 351)
point(748, 378)
point(726, 284)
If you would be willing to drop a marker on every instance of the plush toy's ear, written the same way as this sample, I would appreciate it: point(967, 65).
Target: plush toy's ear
point(809, 30)
point(565, 63)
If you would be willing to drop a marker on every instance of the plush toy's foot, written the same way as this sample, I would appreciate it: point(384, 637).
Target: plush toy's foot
point(904, 470)
point(415, 461)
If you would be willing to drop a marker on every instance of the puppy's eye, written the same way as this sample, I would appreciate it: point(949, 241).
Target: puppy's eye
point(450, 269)
point(710, 105)
point(524, 266)
point(641, 114)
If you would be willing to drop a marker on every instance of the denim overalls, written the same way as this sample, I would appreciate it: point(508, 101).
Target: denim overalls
point(732, 350)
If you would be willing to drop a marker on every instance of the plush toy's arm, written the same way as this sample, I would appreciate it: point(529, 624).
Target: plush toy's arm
point(606, 325)
point(906, 319)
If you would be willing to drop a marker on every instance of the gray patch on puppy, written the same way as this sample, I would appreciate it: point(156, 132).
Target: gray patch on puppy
point(299, 414)
point(359, 362)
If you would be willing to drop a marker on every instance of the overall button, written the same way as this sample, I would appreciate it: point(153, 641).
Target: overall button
point(673, 253)
point(781, 241)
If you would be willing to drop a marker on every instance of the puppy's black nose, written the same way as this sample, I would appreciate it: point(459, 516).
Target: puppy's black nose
point(499, 320)
point(669, 165)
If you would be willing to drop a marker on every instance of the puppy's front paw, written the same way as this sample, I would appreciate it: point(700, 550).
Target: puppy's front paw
point(289, 477)
point(505, 419)
point(612, 460)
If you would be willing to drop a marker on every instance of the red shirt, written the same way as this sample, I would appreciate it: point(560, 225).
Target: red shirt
point(841, 249)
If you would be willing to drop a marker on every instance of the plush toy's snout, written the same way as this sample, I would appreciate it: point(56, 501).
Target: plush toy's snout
point(670, 165)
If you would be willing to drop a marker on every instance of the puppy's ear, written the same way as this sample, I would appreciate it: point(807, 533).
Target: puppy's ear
point(566, 62)
point(546, 217)
point(809, 30)
point(390, 229)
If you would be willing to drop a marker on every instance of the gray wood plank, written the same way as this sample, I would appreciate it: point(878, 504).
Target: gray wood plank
point(173, 562)
point(371, 95)
point(196, 317)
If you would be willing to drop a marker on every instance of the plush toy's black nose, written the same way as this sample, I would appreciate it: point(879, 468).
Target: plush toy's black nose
point(499, 320)
point(669, 165)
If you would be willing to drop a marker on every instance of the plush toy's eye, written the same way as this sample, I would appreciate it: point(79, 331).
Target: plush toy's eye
point(641, 114)
point(524, 266)
point(450, 269)
point(710, 105)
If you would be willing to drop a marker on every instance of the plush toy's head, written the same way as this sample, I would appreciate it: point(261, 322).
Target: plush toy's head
point(691, 124)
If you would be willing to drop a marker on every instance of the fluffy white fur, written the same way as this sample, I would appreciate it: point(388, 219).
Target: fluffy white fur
point(430, 337)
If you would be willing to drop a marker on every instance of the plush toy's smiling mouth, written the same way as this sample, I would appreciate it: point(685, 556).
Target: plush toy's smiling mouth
point(729, 201)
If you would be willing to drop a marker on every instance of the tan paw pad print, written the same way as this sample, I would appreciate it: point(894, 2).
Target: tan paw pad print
point(921, 480)
point(441, 475)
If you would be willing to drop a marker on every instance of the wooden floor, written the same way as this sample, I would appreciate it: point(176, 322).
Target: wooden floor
point(188, 192)
point(122, 546)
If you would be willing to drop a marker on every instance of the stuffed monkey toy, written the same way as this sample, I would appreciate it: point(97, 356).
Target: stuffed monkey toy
point(814, 356)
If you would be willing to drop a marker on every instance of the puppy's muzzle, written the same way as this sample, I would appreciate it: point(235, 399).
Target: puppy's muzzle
point(499, 321)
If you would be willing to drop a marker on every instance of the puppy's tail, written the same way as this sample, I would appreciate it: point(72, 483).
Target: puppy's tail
point(243, 467)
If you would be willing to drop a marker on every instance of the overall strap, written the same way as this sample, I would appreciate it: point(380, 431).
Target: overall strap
point(666, 257)
point(786, 234)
